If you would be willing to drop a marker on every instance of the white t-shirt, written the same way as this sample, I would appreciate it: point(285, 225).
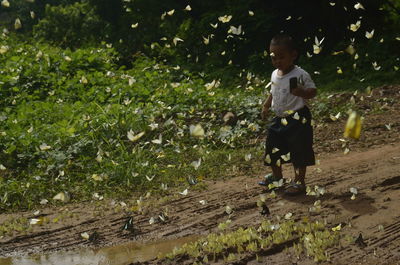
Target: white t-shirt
point(282, 100)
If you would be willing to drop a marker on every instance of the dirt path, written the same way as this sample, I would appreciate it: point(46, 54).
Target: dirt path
point(372, 166)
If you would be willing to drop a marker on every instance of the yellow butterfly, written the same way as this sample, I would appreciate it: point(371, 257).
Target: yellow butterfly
point(369, 35)
point(17, 23)
point(5, 3)
point(356, 26)
point(225, 19)
point(337, 228)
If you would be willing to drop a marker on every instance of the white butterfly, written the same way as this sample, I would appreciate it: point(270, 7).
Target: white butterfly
point(288, 216)
point(176, 39)
point(132, 137)
point(150, 178)
point(235, 31)
point(171, 12)
point(203, 202)
point(135, 25)
point(157, 141)
point(214, 25)
point(151, 221)
point(188, 8)
point(184, 193)
point(353, 190)
point(376, 67)
point(228, 209)
point(336, 117)
point(44, 147)
point(251, 13)
point(279, 183)
point(196, 164)
point(359, 6)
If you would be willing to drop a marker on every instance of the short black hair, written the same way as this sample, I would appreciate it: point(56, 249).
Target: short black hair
point(282, 39)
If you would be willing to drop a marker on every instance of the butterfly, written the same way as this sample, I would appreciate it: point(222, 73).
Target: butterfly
point(225, 19)
point(359, 6)
point(265, 210)
point(369, 35)
point(196, 131)
point(128, 224)
point(214, 25)
point(132, 137)
point(184, 193)
point(17, 24)
point(5, 3)
point(356, 26)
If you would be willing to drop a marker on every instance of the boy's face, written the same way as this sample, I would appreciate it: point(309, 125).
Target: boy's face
point(282, 58)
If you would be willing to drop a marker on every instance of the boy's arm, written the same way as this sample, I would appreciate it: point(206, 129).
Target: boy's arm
point(304, 92)
point(266, 106)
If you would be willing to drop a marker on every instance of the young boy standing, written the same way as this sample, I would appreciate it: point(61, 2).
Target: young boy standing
point(290, 135)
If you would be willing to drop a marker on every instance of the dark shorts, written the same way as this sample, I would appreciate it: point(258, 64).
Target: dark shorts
point(290, 143)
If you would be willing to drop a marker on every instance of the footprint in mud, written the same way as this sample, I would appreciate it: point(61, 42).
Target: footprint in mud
point(361, 205)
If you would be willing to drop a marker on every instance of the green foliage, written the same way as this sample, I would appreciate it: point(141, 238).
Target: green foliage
point(29, 12)
point(65, 118)
point(69, 26)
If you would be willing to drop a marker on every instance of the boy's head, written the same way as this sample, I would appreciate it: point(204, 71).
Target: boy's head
point(283, 52)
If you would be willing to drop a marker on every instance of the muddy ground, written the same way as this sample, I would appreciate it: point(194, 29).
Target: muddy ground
point(372, 166)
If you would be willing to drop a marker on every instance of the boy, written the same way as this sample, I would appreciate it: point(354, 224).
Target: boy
point(290, 135)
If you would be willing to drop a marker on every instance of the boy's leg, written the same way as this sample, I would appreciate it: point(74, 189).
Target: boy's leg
point(276, 171)
point(275, 176)
point(295, 188)
point(300, 175)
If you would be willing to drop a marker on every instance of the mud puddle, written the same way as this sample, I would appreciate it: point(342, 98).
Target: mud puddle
point(116, 255)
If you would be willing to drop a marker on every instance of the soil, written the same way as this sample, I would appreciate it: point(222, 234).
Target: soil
point(372, 166)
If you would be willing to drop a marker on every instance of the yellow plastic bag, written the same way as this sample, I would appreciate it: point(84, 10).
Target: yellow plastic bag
point(353, 126)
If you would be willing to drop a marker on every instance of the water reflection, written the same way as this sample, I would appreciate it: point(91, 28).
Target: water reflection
point(115, 255)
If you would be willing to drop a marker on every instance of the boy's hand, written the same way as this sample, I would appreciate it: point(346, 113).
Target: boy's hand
point(298, 91)
point(303, 92)
point(264, 113)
